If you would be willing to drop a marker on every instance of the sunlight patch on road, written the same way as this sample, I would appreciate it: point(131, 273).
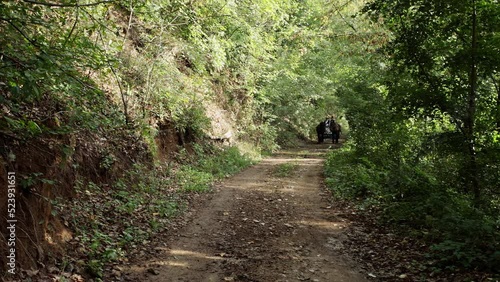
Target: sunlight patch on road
point(171, 263)
point(183, 258)
point(277, 160)
point(324, 224)
point(194, 254)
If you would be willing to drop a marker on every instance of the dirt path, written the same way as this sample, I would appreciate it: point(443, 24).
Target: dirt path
point(259, 227)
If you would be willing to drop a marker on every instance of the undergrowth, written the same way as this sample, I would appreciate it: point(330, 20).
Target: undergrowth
point(110, 222)
point(414, 203)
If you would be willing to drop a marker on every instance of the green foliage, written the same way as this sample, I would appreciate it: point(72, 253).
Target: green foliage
point(192, 180)
point(224, 163)
point(95, 268)
point(417, 87)
point(464, 252)
point(263, 135)
point(143, 196)
point(422, 113)
point(109, 220)
point(99, 72)
point(31, 180)
point(351, 178)
point(208, 164)
point(44, 50)
point(436, 54)
point(107, 161)
point(414, 202)
point(101, 252)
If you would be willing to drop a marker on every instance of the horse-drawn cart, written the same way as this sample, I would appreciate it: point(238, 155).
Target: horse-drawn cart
point(328, 129)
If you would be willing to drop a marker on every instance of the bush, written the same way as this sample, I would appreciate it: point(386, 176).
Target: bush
point(414, 203)
point(351, 178)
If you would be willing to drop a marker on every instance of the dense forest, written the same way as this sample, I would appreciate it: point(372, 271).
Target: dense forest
point(119, 110)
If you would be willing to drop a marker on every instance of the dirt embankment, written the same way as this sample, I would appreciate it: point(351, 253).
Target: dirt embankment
point(257, 226)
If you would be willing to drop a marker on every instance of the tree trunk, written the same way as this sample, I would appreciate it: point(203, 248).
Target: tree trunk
point(497, 112)
point(498, 108)
point(473, 175)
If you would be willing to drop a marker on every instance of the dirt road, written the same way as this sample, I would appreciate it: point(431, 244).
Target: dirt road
point(259, 226)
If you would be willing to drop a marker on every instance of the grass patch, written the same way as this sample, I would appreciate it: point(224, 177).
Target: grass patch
point(285, 169)
point(224, 163)
point(192, 180)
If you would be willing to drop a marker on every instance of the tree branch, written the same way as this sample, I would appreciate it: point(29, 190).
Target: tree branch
point(33, 42)
point(338, 9)
point(74, 25)
point(50, 4)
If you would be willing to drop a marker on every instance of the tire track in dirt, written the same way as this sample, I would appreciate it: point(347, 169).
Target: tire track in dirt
point(259, 227)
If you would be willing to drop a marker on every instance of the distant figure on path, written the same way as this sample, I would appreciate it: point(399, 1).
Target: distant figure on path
point(320, 130)
point(336, 129)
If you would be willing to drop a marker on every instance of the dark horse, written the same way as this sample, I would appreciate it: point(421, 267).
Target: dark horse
point(320, 130)
point(328, 128)
point(336, 129)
